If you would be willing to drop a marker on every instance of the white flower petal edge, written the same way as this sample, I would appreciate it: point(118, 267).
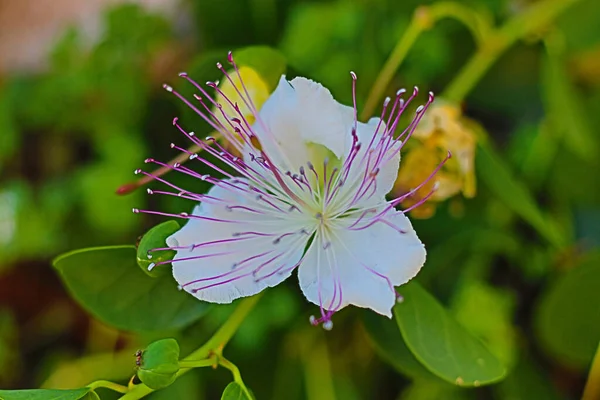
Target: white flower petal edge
point(361, 267)
point(217, 264)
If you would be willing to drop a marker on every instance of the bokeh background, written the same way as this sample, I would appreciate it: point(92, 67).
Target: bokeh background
point(81, 107)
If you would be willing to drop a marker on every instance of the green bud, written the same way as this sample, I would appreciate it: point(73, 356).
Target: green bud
point(153, 239)
point(158, 364)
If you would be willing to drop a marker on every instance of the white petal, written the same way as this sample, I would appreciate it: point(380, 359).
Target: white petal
point(300, 112)
point(380, 248)
point(215, 274)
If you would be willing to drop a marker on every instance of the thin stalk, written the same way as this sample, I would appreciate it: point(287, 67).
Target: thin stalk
point(423, 19)
point(533, 19)
point(108, 385)
point(214, 345)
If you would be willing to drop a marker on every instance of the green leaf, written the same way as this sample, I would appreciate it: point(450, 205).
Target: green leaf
point(159, 364)
point(107, 282)
point(49, 394)
point(513, 193)
point(153, 239)
point(566, 111)
point(235, 391)
point(568, 317)
point(268, 62)
point(389, 344)
point(494, 309)
point(441, 344)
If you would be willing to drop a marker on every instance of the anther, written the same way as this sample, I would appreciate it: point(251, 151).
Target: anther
point(149, 191)
point(179, 287)
point(219, 65)
point(419, 109)
point(328, 325)
point(386, 101)
point(135, 210)
point(137, 171)
point(183, 74)
point(151, 266)
point(313, 320)
point(192, 156)
point(167, 88)
point(184, 214)
point(353, 75)
point(400, 92)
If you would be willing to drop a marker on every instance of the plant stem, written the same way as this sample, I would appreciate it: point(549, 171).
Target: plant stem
point(209, 362)
point(109, 385)
point(592, 386)
point(237, 377)
point(423, 19)
point(525, 23)
point(214, 344)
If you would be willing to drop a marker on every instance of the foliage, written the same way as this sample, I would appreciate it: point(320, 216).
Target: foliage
point(505, 307)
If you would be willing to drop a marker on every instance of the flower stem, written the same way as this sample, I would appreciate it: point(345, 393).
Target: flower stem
point(108, 385)
point(237, 377)
point(592, 386)
point(214, 345)
point(534, 18)
point(209, 362)
point(423, 19)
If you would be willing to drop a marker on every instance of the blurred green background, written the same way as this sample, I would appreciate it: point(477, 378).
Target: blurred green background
point(81, 107)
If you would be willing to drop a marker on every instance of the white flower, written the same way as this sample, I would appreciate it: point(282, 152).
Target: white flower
point(308, 194)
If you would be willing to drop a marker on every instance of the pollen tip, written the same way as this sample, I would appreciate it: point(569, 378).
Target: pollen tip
point(191, 133)
point(312, 320)
point(149, 191)
point(386, 101)
point(148, 160)
point(230, 56)
point(151, 266)
point(179, 287)
point(135, 210)
point(175, 120)
point(400, 92)
point(137, 171)
point(415, 90)
point(167, 88)
point(420, 109)
point(183, 74)
point(172, 145)
point(399, 298)
point(328, 325)
point(192, 156)
point(353, 75)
